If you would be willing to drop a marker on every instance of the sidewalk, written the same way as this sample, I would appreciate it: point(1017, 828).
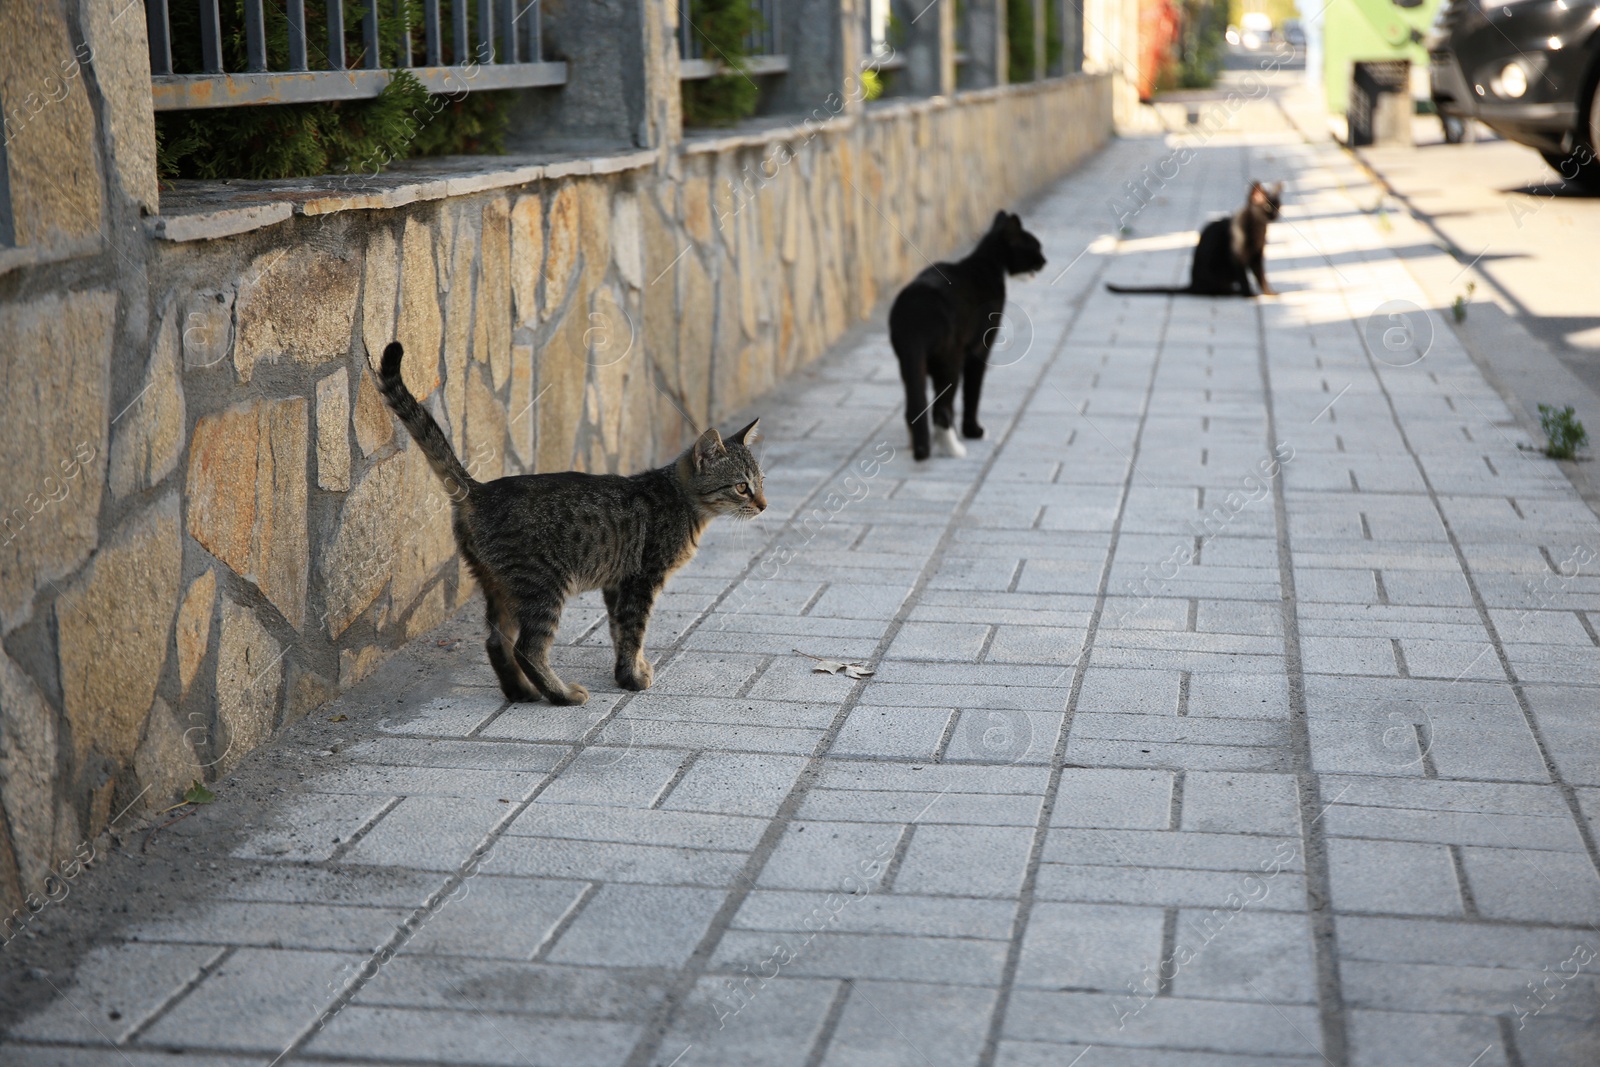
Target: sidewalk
point(1234, 704)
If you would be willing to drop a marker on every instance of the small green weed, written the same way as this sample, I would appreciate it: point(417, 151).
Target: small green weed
point(1564, 431)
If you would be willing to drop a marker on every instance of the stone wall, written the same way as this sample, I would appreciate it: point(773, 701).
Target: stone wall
point(212, 524)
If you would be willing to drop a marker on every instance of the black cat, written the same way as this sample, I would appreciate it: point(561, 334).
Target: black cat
point(943, 324)
point(1230, 249)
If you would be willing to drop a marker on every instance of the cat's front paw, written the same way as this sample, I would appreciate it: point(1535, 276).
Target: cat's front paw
point(636, 677)
point(944, 438)
point(575, 694)
point(519, 692)
point(972, 431)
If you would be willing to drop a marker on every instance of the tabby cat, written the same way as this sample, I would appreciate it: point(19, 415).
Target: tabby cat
point(1229, 251)
point(534, 540)
point(943, 324)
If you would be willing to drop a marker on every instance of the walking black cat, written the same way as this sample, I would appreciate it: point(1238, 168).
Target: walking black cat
point(943, 324)
point(1229, 251)
point(532, 541)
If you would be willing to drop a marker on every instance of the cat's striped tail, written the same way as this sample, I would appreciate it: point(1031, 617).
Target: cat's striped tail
point(420, 425)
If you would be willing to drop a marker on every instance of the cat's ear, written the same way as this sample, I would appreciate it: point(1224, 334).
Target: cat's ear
point(708, 447)
point(1277, 191)
point(743, 436)
point(1000, 220)
point(1258, 195)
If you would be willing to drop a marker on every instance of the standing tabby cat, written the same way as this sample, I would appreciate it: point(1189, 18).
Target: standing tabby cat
point(1230, 249)
point(943, 324)
point(532, 541)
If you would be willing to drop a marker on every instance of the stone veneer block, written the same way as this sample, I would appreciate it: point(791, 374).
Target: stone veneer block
point(458, 324)
point(53, 167)
point(356, 563)
point(627, 247)
point(333, 431)
point(374, 423)
point(521, 420)
point(563, 367)
point(164, 762)
point(147, 444)
point(247, 496)
point(379, 294)
point(527, 257)
point(273, 318)
point(54, 363)
point(194, 627)
point(249, 677)
point(28, 757)
point(207, 328)
point(563, 254)
point(494, 292)
point(420, 327)
point(111, 628)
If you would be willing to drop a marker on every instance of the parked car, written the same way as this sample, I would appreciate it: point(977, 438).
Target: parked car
point(1527, 69)
point(1294, 34)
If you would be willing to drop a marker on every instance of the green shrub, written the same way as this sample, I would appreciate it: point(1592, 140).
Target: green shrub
point(335, 136)
point(1019, 40)
point(721, 27)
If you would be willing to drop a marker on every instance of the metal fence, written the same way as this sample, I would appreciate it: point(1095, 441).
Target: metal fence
point(290, 58)
point(763, 46)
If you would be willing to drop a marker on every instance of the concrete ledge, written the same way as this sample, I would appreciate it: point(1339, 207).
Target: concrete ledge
point(203, 210)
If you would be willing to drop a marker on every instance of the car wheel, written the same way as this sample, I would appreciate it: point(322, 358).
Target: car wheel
point(1579, 167)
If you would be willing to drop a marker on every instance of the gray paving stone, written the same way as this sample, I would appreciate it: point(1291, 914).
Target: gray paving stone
point(1379, 1038)
point(1392, 876)
point(890, 732)
point(637, 926)
point(876, 913)
point(116, 990)
point(1514, 883)
point(471, 1036)
point(748, 1020)
point(887, 806)
point(1240, 953)
point(735, 783)
point(953, 960)
point(1114, 799)
point(1165, 887)
point(904, 1024)
point(1171, 1022)
point(984, 861)
point(511, 986)
point(845, 856)
point(258, 999)
point(1090, 946)
point(616, 775)
point(277, 925)
point(489, 917)
point(1003, 737)
point(1225, 802)
point(311, 827)
point(429, 833)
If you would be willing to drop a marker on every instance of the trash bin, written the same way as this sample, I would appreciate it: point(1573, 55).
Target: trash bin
point(1380, 108)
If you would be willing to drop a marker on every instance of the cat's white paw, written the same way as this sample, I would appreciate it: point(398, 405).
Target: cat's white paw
point(946, 441)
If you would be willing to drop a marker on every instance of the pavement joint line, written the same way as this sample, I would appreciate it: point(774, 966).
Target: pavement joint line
point(1024, 911)
point(699, 961)
point(1308, 789)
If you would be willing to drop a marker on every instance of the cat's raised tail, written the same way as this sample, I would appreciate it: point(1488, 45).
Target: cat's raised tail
point(420, 425)
point(1165, 290)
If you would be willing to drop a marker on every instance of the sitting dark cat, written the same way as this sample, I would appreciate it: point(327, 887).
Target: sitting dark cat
point(1229, 250)
point(943, 324)
point(532, 541)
